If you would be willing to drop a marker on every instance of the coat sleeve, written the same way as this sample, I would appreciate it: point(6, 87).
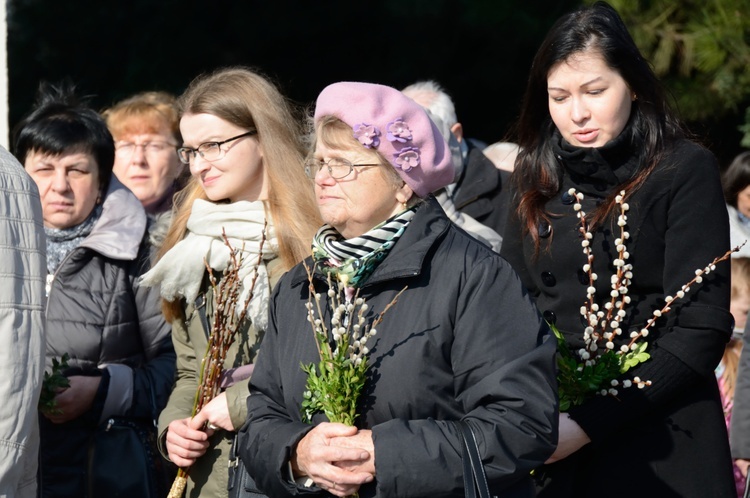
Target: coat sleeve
point(22, 327)
point(504, 379)
point(157, 376)
point(180, 404)
point(269, 436)
point(237, 402)
point(689, 350)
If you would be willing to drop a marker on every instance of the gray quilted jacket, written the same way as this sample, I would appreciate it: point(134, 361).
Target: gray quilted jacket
point(97, 313)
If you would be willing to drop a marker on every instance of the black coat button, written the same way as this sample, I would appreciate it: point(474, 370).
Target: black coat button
point(548, 279)
point(568, 198)
point(550, 316)
point(544, 229)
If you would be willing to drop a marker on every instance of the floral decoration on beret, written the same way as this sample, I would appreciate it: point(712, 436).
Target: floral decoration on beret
point(407, 158)
point(367, 135)
point(398, 131)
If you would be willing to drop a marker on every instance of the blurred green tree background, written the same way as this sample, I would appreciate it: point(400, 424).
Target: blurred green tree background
point(701, 50)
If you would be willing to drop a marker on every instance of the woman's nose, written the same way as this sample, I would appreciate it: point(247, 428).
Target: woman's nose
point(198, 165)
point(60, 181)
point(139, 154)
point(579, 111)
point(323, 177)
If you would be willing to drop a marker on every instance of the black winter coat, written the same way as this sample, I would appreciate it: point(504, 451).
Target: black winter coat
point(110, 326)
point(463, 342)
point(669, 439)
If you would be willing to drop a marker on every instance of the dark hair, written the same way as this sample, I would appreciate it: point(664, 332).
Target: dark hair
point(600, 29)
point(61, 123)
point(736, 178)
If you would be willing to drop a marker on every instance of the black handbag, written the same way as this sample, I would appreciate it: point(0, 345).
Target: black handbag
point(124, 460)
point(240, 483)
point(475, 480)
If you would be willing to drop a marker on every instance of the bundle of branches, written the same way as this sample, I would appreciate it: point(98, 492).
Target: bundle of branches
point(227, 320)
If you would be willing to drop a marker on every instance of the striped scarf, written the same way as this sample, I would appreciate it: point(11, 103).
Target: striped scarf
point(355, 259)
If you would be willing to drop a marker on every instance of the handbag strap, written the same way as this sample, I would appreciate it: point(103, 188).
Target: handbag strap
point(475, 480)
point(470, 490)
point(200, 305)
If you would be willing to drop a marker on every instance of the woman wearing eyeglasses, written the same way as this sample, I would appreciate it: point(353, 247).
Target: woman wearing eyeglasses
point(146, 132)
point(463, 341)
point(243, 147)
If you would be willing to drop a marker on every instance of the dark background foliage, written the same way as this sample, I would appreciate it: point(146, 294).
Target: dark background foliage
point(479, 50)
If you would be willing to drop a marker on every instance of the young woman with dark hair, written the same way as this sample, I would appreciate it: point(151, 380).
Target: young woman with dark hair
point(595, 121)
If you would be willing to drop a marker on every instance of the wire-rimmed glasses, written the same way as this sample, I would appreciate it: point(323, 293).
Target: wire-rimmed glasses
point(337, 167)
point(127, 149)
point(210, 151)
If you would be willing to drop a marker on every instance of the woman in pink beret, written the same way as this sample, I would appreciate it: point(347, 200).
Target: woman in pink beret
point(462, 342)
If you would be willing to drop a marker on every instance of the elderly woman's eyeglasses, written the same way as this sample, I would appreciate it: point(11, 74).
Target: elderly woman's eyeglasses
point(126, 149)
point(337, 167)
point(210, 151)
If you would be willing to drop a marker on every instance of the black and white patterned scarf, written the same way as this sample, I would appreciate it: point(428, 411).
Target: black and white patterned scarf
point(357, 258)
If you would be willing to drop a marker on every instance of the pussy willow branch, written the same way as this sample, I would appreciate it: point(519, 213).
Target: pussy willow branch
point(686, 288)
point(226, 323)
point(621, 279)
point(379, 318)
point(316, 295)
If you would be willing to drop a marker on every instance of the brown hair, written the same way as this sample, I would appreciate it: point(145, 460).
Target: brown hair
point(246, 99)
point(146, 112)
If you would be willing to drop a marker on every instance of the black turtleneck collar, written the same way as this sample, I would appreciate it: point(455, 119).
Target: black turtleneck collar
point(598, 169)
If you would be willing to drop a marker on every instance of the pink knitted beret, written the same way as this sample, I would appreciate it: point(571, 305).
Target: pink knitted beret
point(385, 119)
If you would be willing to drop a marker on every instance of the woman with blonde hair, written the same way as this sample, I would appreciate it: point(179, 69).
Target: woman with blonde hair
point(246, 158)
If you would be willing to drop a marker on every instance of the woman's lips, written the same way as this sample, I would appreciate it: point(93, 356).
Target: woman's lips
point(208, 180)
point(59, 206)
point(586, 136)
point(326, 198)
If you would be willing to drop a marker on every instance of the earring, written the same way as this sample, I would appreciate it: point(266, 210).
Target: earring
point(635, 97)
